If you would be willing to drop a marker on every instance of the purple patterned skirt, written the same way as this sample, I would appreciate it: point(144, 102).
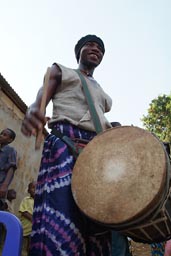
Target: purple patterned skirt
point(59, 228)
point(158, 249)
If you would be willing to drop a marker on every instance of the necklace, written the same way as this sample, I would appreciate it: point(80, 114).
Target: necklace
point(85, 72)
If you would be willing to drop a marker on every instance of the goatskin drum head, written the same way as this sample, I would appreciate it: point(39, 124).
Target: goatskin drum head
point(119, 175)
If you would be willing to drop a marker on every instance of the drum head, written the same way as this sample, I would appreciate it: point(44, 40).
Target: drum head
point(119, 175)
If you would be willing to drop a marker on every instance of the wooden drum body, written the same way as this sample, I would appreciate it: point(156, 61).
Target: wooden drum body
point(121, 180)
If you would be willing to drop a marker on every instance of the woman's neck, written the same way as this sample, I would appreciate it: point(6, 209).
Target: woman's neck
point(85, 70)
point(86, 73)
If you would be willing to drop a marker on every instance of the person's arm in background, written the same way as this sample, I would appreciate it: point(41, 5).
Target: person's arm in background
point(6, 182)
point(27, 215)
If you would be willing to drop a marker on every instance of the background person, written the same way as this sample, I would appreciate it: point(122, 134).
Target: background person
point(11, 196)
point(8, 162)
point(8, 165)
point(26, 213)
point(7, 206)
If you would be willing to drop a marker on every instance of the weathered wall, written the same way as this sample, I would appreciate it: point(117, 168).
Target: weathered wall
point(28, 158)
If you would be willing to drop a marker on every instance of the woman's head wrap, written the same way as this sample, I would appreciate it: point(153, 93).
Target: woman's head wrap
point(84, 40)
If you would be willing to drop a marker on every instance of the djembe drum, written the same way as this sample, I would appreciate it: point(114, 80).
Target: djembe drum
point(121, 180)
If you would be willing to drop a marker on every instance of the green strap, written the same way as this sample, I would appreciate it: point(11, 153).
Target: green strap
point(68, 141)
point(95, 117)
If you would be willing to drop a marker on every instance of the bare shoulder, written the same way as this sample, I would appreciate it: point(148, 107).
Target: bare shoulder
point(56, 71)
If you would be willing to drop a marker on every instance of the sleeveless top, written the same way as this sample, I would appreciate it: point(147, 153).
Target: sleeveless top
point(70, 105)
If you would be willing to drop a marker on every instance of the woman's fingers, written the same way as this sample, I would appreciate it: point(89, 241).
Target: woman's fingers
point(33, 121)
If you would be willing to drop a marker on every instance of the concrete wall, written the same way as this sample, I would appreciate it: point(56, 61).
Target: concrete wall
point(28, 159)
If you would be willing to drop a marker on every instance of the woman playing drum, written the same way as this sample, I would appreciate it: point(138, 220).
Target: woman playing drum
point(59, 228)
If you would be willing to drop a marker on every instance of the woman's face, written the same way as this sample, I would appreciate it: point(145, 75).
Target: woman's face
point(91, 54)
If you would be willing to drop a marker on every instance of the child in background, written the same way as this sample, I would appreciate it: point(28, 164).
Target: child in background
point(9, 207)
point(11, 195)
point(26, 212)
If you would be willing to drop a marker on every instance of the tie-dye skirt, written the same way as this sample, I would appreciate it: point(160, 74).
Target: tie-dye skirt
point(157, 249)
point(59, 228)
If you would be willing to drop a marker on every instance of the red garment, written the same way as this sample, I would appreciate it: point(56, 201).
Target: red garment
point(168, 248)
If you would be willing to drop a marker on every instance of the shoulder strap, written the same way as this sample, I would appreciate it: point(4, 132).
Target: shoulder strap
point(68, 141)
point(93, 112)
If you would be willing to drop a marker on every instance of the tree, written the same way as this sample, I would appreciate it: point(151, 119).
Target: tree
point(158, 119)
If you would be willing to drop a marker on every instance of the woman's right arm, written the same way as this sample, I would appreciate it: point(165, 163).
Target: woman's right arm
point(34, 119)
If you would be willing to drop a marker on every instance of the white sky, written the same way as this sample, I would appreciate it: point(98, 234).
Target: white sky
point(137, 64)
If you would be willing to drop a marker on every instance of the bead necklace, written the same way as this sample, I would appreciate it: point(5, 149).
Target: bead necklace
point(85, 72)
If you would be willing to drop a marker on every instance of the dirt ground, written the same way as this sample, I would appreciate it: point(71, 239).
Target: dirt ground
point(140, 249)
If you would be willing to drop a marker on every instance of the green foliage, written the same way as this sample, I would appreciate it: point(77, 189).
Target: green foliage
point(158, 119)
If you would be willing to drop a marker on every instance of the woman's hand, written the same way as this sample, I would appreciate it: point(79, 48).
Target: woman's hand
point(34, 121)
